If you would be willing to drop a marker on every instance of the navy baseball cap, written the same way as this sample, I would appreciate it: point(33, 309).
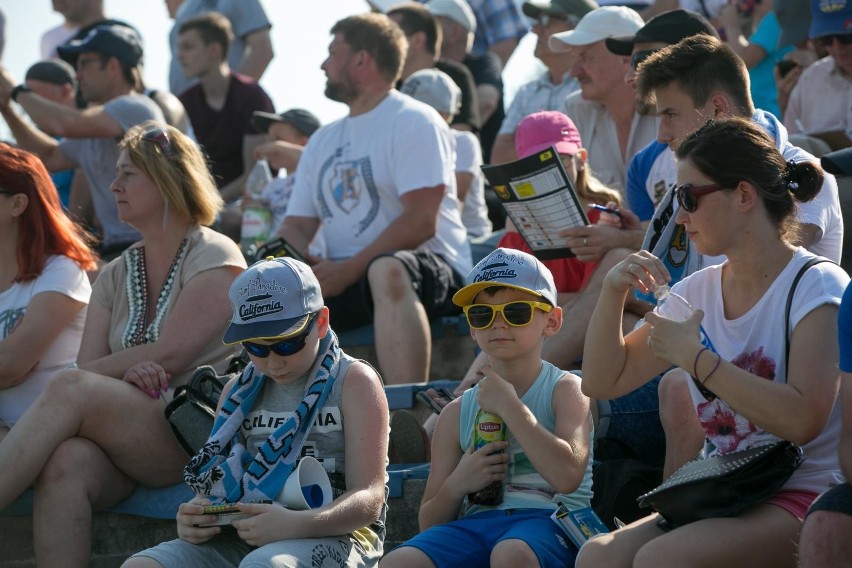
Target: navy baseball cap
point(302, 120)
point(121, 42)
point(669, 27)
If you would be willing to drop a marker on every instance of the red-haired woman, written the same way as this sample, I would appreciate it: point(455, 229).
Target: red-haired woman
point(44, 289)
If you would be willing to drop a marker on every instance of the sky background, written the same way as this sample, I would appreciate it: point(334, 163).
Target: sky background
point(299, 36)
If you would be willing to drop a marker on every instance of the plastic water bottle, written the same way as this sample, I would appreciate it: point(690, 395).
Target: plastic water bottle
point(256, 218)
point(674, 307)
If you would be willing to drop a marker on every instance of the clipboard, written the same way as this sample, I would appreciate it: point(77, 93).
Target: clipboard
point(540, 199)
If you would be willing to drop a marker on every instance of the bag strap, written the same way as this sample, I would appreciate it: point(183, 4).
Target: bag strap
point(787, 331)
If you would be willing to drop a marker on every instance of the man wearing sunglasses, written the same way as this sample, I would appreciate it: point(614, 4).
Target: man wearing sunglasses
point(819, 103)
point(549, 90)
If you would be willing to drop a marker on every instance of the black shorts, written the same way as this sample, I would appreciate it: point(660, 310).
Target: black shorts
point(835, 500)
point(434, 282)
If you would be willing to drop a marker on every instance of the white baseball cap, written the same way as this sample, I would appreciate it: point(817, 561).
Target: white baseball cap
point(456, 10)
point(597, 25)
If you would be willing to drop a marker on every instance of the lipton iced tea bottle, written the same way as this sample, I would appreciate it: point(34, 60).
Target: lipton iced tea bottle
point(488, 428)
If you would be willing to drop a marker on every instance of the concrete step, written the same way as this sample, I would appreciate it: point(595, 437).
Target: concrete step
point(116, 536)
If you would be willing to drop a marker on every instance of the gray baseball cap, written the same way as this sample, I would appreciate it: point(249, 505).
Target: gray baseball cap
point(272, 298)
point(511, 268)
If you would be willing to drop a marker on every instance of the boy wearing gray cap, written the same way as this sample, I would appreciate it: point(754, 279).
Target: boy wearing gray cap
point(510, 304)
point(300, 396)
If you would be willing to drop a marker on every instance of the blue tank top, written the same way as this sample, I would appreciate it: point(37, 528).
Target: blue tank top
point(524, 486)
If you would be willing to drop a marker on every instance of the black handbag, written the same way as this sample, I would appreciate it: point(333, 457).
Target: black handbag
point(722, 486)
point(193, 409)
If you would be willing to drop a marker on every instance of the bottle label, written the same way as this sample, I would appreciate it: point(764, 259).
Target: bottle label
point(488, 428)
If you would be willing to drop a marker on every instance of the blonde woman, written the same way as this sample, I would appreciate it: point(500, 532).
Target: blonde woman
point(156, 313)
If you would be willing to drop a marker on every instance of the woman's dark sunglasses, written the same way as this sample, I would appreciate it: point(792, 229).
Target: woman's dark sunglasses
point(285, 347)
point(688, 194)
point(518, 313)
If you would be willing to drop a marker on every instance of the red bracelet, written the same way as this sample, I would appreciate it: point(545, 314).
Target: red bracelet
point(695, 364)
point(716, 366)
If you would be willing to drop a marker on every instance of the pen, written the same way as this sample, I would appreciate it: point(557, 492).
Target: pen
point(603, 209)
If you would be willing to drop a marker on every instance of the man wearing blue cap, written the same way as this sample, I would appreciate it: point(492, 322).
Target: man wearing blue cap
point(107, 62)
point(819, 103)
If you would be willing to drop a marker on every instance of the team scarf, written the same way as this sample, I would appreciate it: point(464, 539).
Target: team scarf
point(241, 477)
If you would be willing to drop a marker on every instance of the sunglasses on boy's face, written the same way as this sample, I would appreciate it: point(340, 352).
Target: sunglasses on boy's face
point(285, 347)
point(827, 41)
point(518, 313)
point(688, 194)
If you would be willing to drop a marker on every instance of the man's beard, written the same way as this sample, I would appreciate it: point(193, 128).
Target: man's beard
point(340, 91)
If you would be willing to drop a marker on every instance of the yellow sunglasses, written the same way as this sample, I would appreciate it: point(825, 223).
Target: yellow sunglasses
point(518, 313)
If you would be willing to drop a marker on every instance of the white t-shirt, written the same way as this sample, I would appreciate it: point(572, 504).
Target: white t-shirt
point(353, 172)
point(755, 342)
point(468, 160)
point(62, 275)
point(600, 137)
point(55, 37)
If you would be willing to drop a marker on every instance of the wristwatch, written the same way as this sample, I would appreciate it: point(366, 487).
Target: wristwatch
point(22, 88)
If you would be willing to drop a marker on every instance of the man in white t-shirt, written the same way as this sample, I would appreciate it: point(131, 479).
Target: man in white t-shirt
point(379, 187)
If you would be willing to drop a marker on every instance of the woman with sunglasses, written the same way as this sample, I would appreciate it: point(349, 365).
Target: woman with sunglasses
point(44, 288)
point(156, 313)
point(738, 198)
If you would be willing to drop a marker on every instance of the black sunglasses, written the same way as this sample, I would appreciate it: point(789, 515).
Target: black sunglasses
point(285, 347)
point(842, 39)
point(641, 56)
point(517, 313)
point(688, 194)
point(161, 138)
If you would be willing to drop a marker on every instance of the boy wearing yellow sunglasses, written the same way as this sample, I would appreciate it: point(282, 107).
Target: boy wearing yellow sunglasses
point(510, 304)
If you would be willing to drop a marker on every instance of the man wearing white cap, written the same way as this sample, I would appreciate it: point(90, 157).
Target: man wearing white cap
point(605, 108)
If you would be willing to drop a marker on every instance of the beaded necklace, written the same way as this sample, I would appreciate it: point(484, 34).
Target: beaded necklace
point(137, 294)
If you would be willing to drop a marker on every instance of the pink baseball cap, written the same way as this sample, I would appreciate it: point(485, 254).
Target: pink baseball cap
point(544, 129)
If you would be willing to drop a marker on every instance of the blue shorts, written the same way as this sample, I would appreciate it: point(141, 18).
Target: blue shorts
point(468, 542)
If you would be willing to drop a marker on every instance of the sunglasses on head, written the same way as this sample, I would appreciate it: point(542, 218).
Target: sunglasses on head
point(161, 138)
point(641, 56)
point(518, 313)
point(688, 194)
point(285, 347)
point(827, 41)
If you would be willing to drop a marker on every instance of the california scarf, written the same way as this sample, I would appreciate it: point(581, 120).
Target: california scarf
point(241, 476)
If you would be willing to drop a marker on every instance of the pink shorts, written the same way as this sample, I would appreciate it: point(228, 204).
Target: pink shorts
point(794, 502)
